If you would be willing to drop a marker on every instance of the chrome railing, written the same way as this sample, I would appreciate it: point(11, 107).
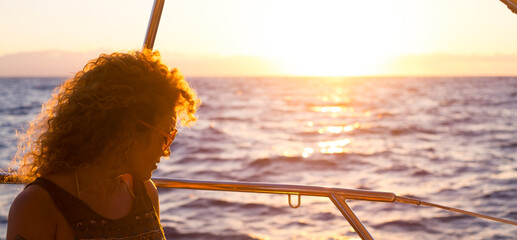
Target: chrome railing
point(338, 196)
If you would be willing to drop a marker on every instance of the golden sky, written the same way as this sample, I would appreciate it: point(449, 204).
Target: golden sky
point(267, 37)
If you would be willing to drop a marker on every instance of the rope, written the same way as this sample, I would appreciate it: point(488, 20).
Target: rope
point(468, 213)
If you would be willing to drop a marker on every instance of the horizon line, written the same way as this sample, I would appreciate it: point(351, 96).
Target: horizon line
point(299, 76)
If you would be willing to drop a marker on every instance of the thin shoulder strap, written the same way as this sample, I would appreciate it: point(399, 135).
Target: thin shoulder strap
point(142, 197)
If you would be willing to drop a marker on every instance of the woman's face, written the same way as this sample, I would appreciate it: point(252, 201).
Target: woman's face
point(147, 151)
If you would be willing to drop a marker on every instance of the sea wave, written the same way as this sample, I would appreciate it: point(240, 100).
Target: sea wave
point(449, 141)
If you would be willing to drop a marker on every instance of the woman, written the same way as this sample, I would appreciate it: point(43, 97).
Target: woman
point(91, 152)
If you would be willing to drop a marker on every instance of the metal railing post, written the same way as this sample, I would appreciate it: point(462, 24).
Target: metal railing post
point(350, 216)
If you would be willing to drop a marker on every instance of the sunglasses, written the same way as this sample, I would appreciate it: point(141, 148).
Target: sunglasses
point(168, 137)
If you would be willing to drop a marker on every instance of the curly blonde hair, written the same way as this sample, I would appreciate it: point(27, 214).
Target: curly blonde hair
point(95, 114)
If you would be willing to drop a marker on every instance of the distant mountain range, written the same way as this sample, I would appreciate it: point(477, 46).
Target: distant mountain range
point(60, 63)
point(65, 64)
point(42, 64)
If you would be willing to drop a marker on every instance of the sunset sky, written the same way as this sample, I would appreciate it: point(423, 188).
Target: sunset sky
point(266, 37)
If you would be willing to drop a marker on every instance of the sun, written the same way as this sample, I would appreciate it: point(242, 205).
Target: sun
point(333, 38)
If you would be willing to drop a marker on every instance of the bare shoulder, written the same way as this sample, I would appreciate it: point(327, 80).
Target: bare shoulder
point(152, 191)
point(32, 215)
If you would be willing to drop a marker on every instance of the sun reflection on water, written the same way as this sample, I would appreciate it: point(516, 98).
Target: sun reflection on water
point(307, 152)
point(333, 109)
point(339, 129)
point(331, 147)
point(327, 147)
point(336, 122)
point(325, 109)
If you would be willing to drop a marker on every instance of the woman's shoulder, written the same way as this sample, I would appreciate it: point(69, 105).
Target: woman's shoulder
point(33, 197)
point(32, 215)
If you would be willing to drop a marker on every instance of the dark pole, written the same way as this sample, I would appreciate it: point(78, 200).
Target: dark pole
point(154, 21)
point(511, 4)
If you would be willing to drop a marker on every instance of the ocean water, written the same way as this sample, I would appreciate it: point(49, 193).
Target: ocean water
point(450, 141)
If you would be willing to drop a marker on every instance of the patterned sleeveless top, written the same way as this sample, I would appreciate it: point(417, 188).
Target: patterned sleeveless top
point(142, 223)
